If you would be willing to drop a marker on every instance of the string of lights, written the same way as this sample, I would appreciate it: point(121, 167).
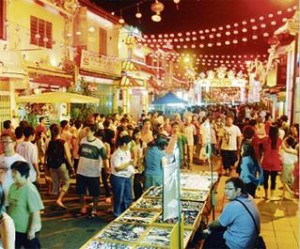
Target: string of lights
point(230, 34)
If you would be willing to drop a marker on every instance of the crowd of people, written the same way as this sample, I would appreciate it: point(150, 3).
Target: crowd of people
point(128, 155)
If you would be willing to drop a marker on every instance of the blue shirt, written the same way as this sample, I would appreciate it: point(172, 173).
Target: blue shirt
point(153, 165)
point(249, 170)
point(240, 232)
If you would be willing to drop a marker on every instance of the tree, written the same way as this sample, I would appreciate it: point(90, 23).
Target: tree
point(81, 111)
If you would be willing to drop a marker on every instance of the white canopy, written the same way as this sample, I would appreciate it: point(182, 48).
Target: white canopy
point(57, 97)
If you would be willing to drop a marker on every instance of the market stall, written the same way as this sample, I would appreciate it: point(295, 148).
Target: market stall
point(142, 225)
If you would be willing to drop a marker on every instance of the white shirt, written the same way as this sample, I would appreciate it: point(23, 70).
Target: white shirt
point(29, 151)
point(5, 171)
point(90, 160)
point(7, 231)
point(189, 131)
point(229, 138)
point(118, 158)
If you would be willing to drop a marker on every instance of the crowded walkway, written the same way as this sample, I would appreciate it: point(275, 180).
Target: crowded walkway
point(65, 164)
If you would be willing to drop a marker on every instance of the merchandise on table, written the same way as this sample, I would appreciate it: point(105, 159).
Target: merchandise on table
point(138, 217)
point(107, 245)
point(122, 232)
point(191, 205)
point(154, 192)
point(199, 195)
point(143, 203)
point(197, 181)
point(190, 217)
point(158, 236)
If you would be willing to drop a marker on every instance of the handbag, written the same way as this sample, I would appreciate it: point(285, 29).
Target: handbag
point(259, 242)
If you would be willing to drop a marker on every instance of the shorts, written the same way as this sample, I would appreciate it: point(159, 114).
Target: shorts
point(90, 183)
point(229, 157)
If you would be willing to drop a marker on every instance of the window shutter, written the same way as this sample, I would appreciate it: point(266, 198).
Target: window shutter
point(33, 30)
point(102, 41)
point(2, 20)
point(40, 32)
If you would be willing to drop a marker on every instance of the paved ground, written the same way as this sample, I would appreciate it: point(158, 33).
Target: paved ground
point(62, 229)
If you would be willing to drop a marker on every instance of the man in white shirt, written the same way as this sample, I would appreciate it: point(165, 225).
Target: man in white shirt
point(28, 150)
point(6, 160)
point(231, 139)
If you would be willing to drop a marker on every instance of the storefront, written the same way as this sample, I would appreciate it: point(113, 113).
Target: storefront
point(103, 73)
point(13, 78)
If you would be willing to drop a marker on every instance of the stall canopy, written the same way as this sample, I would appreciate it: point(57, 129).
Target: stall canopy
point(57, 97)
point(169, 98)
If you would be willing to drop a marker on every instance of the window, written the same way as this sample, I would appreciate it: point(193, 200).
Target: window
point(2, 20)
point(40, 32)
point(102, 41)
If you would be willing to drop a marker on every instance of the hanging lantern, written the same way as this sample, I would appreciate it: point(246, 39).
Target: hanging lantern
point(157, 7)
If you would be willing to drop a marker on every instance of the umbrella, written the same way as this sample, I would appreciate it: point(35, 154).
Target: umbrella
point(57, 97)
point(169, 98)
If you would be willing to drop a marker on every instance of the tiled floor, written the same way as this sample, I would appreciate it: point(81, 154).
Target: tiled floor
point(279, 219)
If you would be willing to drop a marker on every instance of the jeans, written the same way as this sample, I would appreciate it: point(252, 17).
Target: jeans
point(122, 193)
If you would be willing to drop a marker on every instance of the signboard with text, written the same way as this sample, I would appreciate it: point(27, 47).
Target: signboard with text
point(94, 62)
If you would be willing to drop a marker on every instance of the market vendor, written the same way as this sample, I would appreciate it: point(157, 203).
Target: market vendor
point(122, 169)
point(235, 228)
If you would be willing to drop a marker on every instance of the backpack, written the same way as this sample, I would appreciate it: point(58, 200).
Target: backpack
point(55, 153)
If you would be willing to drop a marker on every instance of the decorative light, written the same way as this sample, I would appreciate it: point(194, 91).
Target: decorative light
point(176, 1)
point(265, 34)
point(263, 25)
point(156, 18)
point(273, 23)
point(270, 15)
point(138, 15)
point(121, 20)
point(244, 39)
point(254, 37)
point(37, 36)
point(157, 7)
point(91, 29)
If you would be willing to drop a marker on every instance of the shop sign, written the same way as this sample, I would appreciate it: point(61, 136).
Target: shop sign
point(93, 62)
point(222, 83)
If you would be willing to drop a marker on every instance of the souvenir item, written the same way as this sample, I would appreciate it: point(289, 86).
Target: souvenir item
point(191, 205)
point(154, 192)
point(144, 203)
point(138, 217)
point(122, 232)
point(107, 245)
point(189, 218)
point(158, 237)
point(200, 195)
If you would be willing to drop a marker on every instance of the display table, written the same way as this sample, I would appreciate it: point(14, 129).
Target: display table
point(142, 227)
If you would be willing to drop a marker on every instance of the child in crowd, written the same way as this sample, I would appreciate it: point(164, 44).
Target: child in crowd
point(289, 159)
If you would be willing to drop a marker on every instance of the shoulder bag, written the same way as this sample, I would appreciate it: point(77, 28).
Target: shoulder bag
point(259, 242)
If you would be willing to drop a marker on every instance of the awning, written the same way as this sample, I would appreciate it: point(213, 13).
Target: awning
point(169, 98)
point(127, 81)
point(57, 97)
